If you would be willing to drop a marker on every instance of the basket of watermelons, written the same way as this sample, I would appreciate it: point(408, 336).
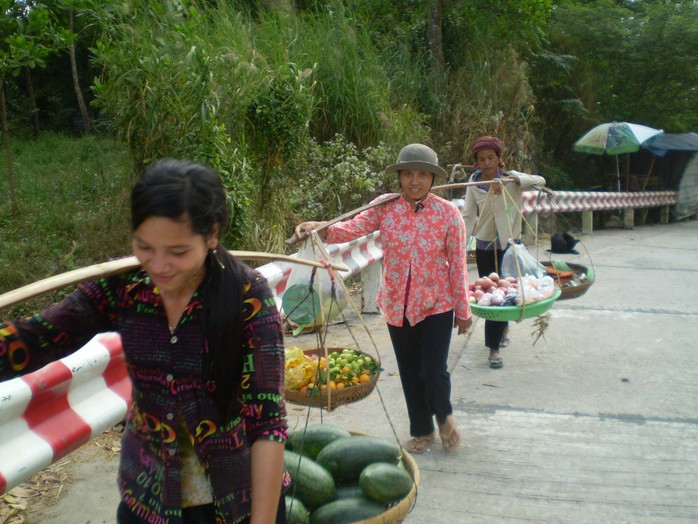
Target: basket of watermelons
point(343, 477)
point(329, 379)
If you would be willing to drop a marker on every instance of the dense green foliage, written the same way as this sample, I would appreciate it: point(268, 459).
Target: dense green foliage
point(73, 211)
point(301, 107)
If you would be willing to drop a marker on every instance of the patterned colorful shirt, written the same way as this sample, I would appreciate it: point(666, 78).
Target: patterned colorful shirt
point(169, 387)
point(425, 248)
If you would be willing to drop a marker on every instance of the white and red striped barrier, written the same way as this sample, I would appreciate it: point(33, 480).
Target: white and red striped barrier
point(570, 201)
point(357, 255)
point(46, 414)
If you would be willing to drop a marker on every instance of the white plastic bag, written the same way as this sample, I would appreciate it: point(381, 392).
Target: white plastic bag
point(310, 300)
point(527, 265)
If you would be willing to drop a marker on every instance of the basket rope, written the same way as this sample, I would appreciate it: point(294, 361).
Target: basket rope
point(318, 244)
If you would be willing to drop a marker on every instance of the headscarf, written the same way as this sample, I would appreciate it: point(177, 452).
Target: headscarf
point(487, 142)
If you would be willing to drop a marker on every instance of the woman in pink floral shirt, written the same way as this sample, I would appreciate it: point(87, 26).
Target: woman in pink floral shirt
point(424, 285)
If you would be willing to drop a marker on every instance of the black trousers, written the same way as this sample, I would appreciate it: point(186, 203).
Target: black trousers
point(205, 514)
point(422, 359)
point(494, 330)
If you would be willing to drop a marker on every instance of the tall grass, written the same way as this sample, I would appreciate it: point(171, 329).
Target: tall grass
point(245, 92)
point(73, 207)
point(490, 95)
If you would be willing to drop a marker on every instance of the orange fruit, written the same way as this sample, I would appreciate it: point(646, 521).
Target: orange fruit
point(340, 385)
point(364, 378)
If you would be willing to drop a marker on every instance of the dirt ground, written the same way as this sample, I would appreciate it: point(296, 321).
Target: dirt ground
point(38, 500)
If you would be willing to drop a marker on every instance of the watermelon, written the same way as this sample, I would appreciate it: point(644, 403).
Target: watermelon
point(346, 511)
point(310, 482)
point(385, 482)
point(346, 458)
point(296, 512)
point(315, 437)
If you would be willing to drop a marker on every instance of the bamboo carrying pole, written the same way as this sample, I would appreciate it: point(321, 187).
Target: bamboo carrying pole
point(114, 267)
point(349, 214)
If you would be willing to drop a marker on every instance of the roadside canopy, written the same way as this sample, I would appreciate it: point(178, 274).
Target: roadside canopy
point(677, 168)
point(660, 145)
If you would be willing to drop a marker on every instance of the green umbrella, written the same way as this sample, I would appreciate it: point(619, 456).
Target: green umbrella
point(615, 138)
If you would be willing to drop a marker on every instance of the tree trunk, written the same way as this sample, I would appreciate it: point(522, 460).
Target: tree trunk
point(76, 84)
point(32, 102)
point(8, 148)
point(435, 34)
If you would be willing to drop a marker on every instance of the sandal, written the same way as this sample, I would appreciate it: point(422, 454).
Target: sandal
point(450, 437)
point(496, 362)
point(505, 342)
point(417, 445)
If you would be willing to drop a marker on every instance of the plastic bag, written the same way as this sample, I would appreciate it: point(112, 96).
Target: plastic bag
point(310, 300)
point(535, 289)
point(526, 263)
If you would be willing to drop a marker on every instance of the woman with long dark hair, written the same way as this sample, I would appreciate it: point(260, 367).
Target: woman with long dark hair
point(203, 439)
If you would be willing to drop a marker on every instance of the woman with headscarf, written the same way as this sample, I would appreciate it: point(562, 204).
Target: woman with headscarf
point(494, 218)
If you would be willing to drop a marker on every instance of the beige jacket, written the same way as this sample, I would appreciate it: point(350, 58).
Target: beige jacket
point(489, 217)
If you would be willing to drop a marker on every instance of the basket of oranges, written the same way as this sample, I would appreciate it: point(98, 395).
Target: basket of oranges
point(329, 378)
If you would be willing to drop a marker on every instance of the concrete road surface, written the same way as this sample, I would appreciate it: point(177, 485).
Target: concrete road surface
point(596, 422)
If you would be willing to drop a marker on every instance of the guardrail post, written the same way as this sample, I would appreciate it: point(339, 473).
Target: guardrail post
point(370, 281)
point(587, 222)
point(629, 218)
point(664, 215)
point(529, 233)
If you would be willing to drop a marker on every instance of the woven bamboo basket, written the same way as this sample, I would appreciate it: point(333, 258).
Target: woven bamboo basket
point(569, 292)
point(334, 398)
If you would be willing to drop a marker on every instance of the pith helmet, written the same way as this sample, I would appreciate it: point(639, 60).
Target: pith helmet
point(418, 157)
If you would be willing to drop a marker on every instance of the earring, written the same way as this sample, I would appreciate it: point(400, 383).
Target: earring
point(218, 258)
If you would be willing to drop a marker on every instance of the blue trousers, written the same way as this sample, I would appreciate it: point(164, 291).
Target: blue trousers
point(422, 359)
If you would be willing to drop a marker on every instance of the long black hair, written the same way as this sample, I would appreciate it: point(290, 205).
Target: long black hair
point(179, 190)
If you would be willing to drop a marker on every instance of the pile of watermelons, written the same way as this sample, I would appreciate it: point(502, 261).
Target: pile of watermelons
point(339, 478)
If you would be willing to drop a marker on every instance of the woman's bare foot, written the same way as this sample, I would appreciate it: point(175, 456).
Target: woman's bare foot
point(450, 438)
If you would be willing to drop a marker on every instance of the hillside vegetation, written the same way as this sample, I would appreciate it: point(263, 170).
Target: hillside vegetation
point(300, 105)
